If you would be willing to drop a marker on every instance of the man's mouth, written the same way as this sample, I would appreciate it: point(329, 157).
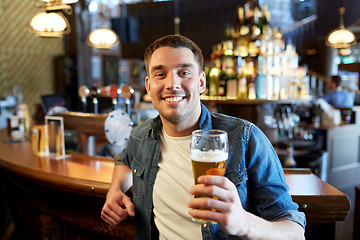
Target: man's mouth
point(173, 99)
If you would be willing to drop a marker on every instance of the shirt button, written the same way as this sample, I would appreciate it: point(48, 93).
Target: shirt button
point(135, 170)
point(156, 155)
point(149, 211)
point(150, 184)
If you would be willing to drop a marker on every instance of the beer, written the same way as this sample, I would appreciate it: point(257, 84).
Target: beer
point(208, 163)
point(209, 154)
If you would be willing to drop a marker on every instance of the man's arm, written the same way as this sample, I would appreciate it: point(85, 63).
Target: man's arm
point(231, 216)
point(118, 206)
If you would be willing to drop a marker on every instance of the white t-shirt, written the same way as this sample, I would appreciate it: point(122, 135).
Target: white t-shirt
point(171, 190)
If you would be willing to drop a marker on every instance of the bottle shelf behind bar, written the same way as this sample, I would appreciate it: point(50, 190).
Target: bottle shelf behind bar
point(253, 62)
point(238, 101)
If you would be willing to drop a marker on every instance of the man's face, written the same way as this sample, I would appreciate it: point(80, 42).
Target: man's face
point(331, 84)
point(174, 84)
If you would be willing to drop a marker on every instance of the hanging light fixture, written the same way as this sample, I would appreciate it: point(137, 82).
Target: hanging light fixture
point(103, 38)
point(49, 24)
point(64, 1)
point(340, 37)
point(55, 5)
point(345, 51)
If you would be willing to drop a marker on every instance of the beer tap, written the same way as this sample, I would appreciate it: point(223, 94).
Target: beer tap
point(114, 96)
point(83, 93)
point(126, 92)
point(94, 92)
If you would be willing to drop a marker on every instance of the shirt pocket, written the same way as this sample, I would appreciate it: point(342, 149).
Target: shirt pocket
point(138, 179)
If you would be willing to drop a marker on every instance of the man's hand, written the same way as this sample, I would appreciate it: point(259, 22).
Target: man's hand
point(229, 211)
point(117, 207)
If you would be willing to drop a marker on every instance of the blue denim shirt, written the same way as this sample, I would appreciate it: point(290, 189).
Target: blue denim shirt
point(340, 98)
point(252, 166)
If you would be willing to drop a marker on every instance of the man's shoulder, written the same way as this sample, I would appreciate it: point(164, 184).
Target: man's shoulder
point(229, 121)
point(237, 128)
point(143, 130)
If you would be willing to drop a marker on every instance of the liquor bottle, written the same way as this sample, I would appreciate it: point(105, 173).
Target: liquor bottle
point(241, 79)
point(214, 73)
point(261, 79)
point(214, 77)
point(246, 26)
point(269, 76)
point(222, 82)
point(229, 79)
point(254, 46)
point(249, 71)
point(264, 18)
point(241, 30)
point(254, 20)
point(266, 32)
point(232, 86)
point(227, 66)
point(290, 61)
point(238, 22)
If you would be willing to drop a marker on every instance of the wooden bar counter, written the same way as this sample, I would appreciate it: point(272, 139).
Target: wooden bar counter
point(62, 199)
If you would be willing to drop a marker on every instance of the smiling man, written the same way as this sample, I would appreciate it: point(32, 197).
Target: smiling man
point(174, 83)
point(253, 200)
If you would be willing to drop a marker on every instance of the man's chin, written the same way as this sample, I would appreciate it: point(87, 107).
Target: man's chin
point(173, 116)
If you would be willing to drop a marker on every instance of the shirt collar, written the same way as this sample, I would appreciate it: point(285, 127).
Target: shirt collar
point(205, 118)
point(205, 122)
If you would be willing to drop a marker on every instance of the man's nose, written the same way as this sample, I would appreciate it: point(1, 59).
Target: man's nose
point(173, 81)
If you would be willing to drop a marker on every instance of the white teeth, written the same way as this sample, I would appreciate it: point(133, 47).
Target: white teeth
point(173, 99)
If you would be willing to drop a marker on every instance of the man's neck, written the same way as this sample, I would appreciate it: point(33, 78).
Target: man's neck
point(185, 126)
point(179, 129)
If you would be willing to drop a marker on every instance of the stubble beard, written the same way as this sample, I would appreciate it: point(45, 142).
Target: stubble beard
point(180, 115)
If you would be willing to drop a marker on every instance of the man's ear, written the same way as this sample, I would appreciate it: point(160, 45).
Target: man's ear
point(147, 85)
point(202, 82)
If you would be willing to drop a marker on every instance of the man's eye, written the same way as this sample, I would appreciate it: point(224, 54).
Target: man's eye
point(184, 73)
point(159, 74)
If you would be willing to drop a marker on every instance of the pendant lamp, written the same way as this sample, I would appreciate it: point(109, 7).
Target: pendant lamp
point(103, 38)
point(340, 37)
point(63, 1)
point(49, 24)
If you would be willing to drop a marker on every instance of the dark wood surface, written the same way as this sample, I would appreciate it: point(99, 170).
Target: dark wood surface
point(57, 198)
point(321, 202)
point(79, 172)
point(86, 180)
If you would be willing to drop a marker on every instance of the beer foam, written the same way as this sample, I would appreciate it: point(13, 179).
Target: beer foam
point(208, 156)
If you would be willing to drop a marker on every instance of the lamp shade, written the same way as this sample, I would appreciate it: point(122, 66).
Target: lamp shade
point(49, 24)
point(340, 38)
point(345, 51)
point(63, 1)
point(103, 38)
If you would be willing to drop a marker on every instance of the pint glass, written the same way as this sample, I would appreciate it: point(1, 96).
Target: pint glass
point(209, 154)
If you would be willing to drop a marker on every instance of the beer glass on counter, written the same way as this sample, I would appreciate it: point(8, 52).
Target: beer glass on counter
point(209, 154)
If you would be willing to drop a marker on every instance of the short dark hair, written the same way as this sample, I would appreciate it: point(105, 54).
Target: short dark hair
point(175, 41)
point(336, 79)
